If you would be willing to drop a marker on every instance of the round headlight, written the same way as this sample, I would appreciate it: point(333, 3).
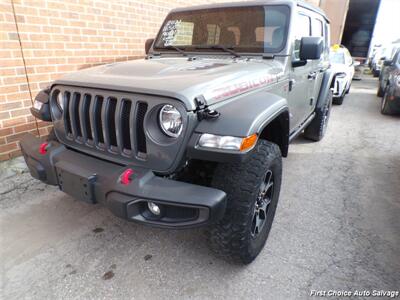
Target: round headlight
point(60, 101)
point(170, 121)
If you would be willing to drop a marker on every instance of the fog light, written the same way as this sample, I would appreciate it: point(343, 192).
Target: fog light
point(154, 208)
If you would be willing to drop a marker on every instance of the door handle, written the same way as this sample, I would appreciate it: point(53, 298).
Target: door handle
point(312, 75)
point(292, 82)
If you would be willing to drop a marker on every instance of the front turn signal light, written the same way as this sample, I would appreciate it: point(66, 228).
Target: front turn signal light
point(248, 142)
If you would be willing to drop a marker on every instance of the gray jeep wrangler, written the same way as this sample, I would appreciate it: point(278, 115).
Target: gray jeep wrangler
point(193, 134)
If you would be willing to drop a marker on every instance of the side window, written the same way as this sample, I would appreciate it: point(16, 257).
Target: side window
point(303, 26)
point(327, 39)
point(317, 28)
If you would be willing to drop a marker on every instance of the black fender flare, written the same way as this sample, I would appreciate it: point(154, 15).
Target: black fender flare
point(241, 117)
point(326, 86)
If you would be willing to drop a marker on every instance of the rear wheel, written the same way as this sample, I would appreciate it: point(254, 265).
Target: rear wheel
point(386, 105)
point(317, 128)
point(252, 189)
point(380, 92)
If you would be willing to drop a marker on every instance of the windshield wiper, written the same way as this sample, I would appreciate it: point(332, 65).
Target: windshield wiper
point(176, 49)
point(221, 47)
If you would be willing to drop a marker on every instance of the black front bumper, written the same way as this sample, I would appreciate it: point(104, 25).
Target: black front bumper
point(93, 180)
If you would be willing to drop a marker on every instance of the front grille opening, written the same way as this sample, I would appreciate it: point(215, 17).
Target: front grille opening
point(125, 124)
point(77, 123)
point(86, 113)
point(97, 118)
point(67, 116)
point(140, 134)
point(112, 106)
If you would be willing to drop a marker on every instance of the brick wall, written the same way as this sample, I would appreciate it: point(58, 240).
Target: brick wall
point(43, 39)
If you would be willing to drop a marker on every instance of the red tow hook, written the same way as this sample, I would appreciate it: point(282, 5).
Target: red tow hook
point(43, 148)
point(126, 176)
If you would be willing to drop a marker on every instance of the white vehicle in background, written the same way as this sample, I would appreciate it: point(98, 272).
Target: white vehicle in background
point(343, 65)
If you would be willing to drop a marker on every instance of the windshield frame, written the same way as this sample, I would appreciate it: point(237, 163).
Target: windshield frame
point(207, 50)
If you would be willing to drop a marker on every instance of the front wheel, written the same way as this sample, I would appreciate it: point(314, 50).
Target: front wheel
point(252, 189)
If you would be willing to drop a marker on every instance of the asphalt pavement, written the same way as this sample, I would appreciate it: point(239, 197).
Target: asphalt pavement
point(337, 228)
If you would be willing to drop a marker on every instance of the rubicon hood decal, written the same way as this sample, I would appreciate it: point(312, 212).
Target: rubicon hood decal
point(240, 87)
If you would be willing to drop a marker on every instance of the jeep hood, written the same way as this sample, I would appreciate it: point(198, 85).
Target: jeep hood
point(181, 78)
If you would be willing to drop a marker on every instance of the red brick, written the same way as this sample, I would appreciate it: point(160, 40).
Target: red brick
point(8, 147)
point(6, 131)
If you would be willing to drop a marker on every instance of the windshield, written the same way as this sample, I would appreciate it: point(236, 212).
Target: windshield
point(336, 57)
point(244, 29)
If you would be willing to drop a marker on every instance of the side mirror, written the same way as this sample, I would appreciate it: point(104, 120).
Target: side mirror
point(311, 47)
point(147, 45)
point(387, 63)
point(356, 63)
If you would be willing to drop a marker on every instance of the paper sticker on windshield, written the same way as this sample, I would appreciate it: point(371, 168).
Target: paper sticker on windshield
point(169, 32)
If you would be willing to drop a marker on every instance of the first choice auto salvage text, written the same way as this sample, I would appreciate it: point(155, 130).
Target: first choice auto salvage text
point(355, 293)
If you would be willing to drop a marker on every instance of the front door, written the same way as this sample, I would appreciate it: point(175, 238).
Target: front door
point(301, 78)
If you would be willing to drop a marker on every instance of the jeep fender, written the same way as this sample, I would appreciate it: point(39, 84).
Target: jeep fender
point(241, 117)
point(326, 85)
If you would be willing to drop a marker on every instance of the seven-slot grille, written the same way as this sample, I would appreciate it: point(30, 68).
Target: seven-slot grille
point(109, 122)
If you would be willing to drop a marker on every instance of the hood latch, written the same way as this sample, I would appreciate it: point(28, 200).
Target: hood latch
point(203, 112)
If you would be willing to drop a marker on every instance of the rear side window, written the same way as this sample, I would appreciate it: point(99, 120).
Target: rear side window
point(303, 27)
point(317, 28)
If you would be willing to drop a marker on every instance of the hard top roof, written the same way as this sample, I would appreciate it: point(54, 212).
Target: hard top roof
point(255, 3)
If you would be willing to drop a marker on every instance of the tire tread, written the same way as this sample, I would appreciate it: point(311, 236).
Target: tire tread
point(229, 237)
